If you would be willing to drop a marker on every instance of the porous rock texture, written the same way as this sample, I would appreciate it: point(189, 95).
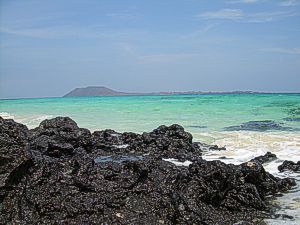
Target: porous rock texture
point(268, 157)
point(59, 173)
point(289, 165)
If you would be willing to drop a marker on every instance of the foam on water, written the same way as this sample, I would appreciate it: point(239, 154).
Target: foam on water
point(6, 115)
point(289, 203)
point(242, 146)
point(31, 121)
point(177, 163)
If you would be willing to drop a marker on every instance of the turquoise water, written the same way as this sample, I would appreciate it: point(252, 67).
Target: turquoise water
point(205, 116)
point(144, 113)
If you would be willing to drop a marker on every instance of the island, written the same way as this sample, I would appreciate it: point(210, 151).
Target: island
point(104, 91)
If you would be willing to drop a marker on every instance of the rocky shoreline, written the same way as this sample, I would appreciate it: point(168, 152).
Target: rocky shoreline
point(59, 173)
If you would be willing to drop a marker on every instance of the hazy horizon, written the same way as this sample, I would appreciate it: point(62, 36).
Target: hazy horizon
point(154, 92)
point(48, 48)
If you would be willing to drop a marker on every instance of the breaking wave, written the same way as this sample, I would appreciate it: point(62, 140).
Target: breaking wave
point(31, 121)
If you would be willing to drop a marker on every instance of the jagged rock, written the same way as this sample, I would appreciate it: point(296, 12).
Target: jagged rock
point(166, 142)
point(59, 136)
point(205, 147)
point(14, 159)
point(58, 173)
point(289, 165)
point(268, 157)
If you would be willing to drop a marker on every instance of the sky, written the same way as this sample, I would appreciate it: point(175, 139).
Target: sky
point(50, 47)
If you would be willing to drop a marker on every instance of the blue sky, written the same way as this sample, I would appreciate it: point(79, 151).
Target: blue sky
point(51, 47)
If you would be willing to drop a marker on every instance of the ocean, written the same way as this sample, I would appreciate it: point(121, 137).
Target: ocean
point(248, 125)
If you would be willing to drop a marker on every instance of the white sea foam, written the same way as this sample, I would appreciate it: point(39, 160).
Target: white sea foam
point(242, 146)
point(31, 121)
point(177, 163)
point(6, 115)
point(41, 118)
point(121, 146)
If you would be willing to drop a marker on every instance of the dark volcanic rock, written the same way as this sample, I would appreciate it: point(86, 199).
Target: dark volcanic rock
point(268, 157)
point(61, 174)
point(259, 126)
point(14, 156)
point(58, 137)
point(206, 148)
point(163, 142)
point(289, 165)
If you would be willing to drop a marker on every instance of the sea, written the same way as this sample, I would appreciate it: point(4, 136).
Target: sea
point(248, 125)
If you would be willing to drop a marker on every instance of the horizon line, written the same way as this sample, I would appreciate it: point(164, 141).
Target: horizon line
point(160, 93)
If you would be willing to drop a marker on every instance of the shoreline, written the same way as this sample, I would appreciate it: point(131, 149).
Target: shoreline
point(59, 146)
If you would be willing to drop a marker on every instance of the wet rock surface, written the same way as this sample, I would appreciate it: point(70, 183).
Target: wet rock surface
point(289, 165)
point(59, 173)
point(268, 157)
point(206, 148)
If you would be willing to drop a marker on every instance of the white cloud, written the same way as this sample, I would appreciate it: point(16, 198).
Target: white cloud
point(282, 50)
point(61, 32)
point(289, 2)
point(239, 15)
point(56, 32)
point(231, 14)
point(269, 16)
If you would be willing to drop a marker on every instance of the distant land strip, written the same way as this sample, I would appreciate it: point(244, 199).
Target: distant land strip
point(104, 91)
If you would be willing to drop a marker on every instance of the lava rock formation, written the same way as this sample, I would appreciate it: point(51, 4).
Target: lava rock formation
point(59, 173)
point(289, 165)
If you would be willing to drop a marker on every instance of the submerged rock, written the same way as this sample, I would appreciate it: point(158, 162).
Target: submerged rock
point(58, 173)
point(294, 111)
point(263, 125)
point(198, 126)
point(292, 119)
point(289, 165)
